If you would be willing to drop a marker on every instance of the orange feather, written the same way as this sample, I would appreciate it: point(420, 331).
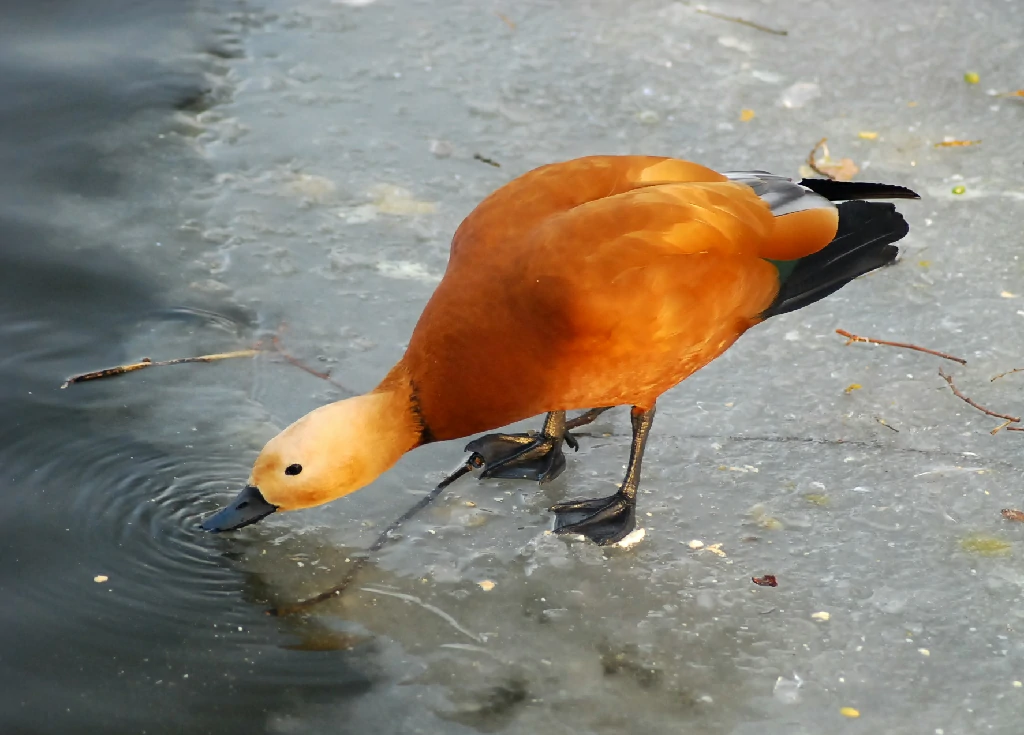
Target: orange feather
point(597, 282)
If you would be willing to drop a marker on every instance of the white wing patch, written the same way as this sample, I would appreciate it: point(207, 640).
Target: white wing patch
point(782, 195)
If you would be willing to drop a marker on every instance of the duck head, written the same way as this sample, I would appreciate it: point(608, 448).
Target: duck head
point(328, 453)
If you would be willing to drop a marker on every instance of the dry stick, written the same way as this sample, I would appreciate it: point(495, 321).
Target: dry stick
point(886, 425)
point(1008, 372)
point(485, 159)
point(147, 363)
point(742, 21)
point(812, 161)
point(506, 20)
point(586, 417)
point(851, 338)
point(474, 462)
point(965, 399)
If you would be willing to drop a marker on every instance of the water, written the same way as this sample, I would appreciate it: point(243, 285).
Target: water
point(106, 482)
point(185, 180)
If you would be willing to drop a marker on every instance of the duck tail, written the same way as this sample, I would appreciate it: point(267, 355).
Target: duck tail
point(836, 191)
point(863, 242)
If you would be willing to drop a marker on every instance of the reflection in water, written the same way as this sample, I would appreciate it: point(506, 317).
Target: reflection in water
point(536, 648)
point(118, 616)
point(116, 607)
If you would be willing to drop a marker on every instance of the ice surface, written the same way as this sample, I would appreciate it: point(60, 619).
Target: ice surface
point(344, 149)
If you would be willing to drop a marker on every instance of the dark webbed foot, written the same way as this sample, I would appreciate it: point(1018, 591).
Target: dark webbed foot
point(609, 520)
point(531, 456)
point(603, 520)
point(520, 456)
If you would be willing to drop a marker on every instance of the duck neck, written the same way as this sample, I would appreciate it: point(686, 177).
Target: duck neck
point(400, 410)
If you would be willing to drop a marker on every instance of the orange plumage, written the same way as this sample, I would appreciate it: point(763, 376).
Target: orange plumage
point(597, 282)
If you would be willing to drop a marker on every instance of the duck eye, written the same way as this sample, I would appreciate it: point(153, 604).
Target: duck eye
point(293, 469)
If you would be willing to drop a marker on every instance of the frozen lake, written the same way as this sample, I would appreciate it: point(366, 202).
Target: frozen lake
point(305, 163)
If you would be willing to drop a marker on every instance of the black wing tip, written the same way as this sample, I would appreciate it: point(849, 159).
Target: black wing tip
point(850, 190)
point(864, 242)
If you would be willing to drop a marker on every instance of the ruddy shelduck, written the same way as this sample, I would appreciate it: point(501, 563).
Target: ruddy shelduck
point(598, 282)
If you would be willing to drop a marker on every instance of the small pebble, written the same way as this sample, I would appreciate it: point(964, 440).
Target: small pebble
point(695, 544)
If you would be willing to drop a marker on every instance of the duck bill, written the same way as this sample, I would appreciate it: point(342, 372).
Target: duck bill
point(249, 507)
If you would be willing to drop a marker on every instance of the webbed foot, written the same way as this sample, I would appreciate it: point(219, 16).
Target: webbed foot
point(529, 456)
point(604, 521)
point(608, 520)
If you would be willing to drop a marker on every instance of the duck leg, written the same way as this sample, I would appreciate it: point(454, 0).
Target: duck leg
point(531, 456)
point(609, 520)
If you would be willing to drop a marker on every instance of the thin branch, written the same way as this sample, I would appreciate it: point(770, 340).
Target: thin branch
point(255, 350)
point(148, 363)
point(484, 159)
point(1008, 372)
point(474, 462)
point(587, 417)
point(506, 20)
point(743, 21)
point(886, 424)
point(812, 161)
point(1004, 425)
point(968, 401)
point(851, 338)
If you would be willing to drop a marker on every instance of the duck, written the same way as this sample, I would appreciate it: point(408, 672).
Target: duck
point(583, 285)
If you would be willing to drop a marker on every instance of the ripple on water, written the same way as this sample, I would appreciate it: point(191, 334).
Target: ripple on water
point(132, 515)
